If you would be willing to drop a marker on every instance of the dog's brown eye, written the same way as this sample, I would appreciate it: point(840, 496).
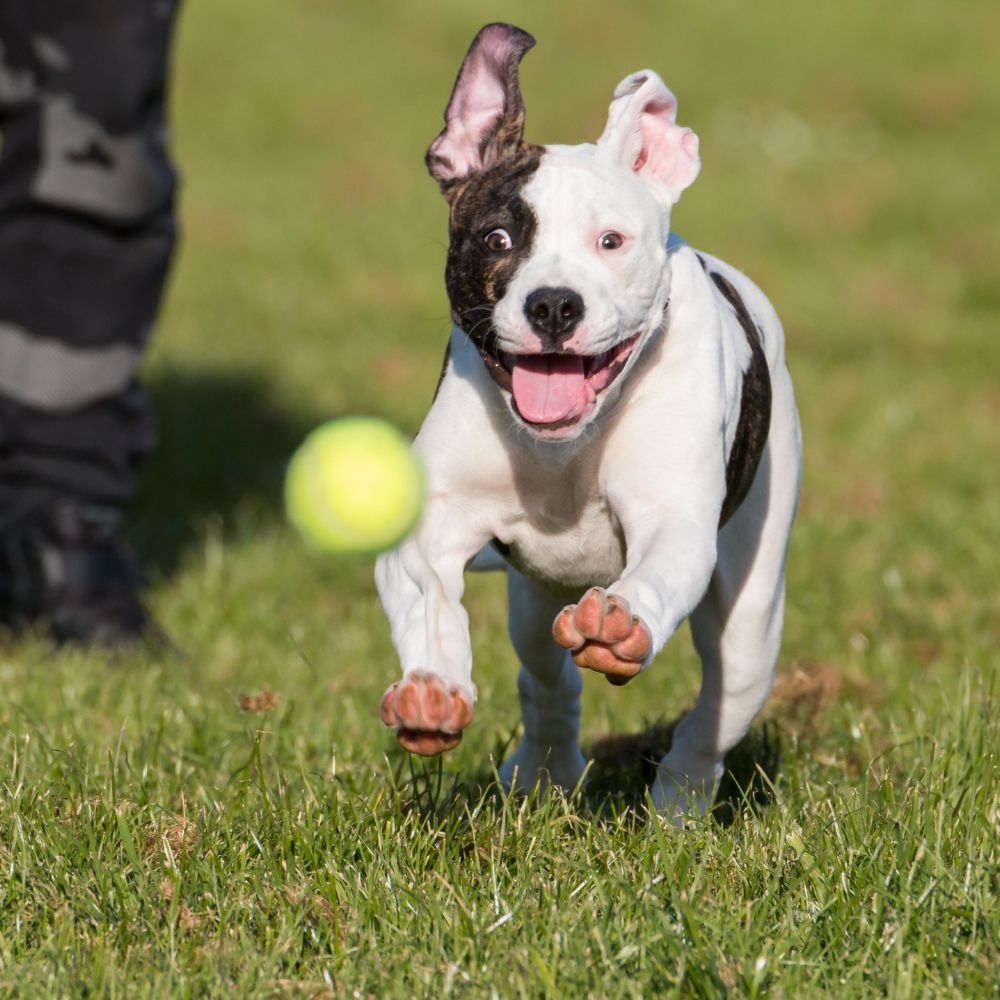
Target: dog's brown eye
point(611, 240)
point(499, 241)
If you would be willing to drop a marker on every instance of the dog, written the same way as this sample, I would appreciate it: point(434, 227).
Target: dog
point(615, 425)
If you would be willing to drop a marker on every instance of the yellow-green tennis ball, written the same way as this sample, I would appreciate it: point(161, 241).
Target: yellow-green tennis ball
point(354, 485)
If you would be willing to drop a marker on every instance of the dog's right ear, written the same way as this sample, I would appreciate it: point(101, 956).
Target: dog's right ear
point(484, 120)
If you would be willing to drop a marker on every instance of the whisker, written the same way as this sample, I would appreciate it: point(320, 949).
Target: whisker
point(475, 327)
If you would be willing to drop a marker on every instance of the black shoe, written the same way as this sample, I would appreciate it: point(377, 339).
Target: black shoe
point(64, 568)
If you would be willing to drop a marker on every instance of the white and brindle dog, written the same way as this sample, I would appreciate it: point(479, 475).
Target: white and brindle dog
point(615, 420)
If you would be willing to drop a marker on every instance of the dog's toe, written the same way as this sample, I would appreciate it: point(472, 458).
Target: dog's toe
point(604, 660)
point(564, 629)
point(635, 644)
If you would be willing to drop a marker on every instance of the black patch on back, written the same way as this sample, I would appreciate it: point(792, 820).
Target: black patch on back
point(475, 277)
point(755, 406)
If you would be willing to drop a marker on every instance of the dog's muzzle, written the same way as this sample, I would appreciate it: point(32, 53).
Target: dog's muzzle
point(555, 390)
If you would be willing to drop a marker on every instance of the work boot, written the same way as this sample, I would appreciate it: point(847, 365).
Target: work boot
point(65, 568)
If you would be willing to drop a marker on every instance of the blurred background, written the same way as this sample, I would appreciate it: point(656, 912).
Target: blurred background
point(224, 821)
point(850, 158)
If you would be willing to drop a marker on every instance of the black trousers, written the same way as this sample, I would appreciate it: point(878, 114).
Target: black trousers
point(86, 234)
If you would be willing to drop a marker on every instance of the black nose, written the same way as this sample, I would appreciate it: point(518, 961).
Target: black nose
point(553, 312)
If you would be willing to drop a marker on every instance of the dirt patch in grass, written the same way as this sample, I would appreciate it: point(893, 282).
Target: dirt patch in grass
point(174, 837)
point(266, 701)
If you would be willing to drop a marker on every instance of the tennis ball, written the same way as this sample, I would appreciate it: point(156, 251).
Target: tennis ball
point(354, 485)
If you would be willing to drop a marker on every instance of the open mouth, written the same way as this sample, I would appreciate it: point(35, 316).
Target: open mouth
point(552, 391)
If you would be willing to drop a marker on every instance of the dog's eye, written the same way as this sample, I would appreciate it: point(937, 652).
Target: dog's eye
point(610, 240)
point(499, 241)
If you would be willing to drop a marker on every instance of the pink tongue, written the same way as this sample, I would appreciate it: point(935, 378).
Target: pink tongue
point(549, 387)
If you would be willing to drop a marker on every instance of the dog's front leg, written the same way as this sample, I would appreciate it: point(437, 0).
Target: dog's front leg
point(421, 585)
point(617, 631)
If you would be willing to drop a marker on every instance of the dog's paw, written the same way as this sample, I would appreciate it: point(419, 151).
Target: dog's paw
point(603, 635)
point(680, 795)
point(428, 714)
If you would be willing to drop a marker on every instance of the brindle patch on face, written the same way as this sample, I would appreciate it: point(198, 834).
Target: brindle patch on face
point(476, 277)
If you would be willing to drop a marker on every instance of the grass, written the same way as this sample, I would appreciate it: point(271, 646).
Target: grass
point(158, 839)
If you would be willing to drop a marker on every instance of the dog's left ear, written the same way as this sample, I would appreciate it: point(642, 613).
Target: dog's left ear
point(484, 120)
point(642, 134)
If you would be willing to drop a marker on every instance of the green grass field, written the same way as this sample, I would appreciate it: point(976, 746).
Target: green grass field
point(158, 839)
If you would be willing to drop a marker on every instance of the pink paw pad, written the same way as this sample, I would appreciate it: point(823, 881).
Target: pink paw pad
point(428, 715)
point(603, 635)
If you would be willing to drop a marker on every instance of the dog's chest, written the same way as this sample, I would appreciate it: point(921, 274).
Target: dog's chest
point(564, 537)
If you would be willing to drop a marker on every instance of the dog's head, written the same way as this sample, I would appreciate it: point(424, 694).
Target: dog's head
point(557, 266)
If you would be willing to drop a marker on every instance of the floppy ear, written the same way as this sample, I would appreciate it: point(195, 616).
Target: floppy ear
point(484, 120)
point(642, 135)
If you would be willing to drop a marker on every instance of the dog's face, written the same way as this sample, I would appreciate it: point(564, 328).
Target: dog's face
point(557, 267)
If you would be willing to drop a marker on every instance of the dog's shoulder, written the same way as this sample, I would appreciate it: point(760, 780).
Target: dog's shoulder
point(756, 351)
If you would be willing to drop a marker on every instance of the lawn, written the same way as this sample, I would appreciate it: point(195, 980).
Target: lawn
point(235, 821)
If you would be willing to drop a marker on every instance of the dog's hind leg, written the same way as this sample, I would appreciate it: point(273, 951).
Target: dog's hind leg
point(736, 628)
point(549, 686)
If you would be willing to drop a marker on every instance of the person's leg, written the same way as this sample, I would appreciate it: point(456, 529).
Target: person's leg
point(86, 234)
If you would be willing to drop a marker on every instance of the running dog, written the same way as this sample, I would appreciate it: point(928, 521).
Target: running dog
point(615, 424)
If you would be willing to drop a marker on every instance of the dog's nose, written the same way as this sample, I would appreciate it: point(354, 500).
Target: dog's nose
point(553, 312)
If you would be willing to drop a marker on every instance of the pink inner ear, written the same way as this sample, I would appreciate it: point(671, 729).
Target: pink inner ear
point(659, 112)
point(663, 107)
point(669, 152)
point(479, 98)
point(478, 101)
